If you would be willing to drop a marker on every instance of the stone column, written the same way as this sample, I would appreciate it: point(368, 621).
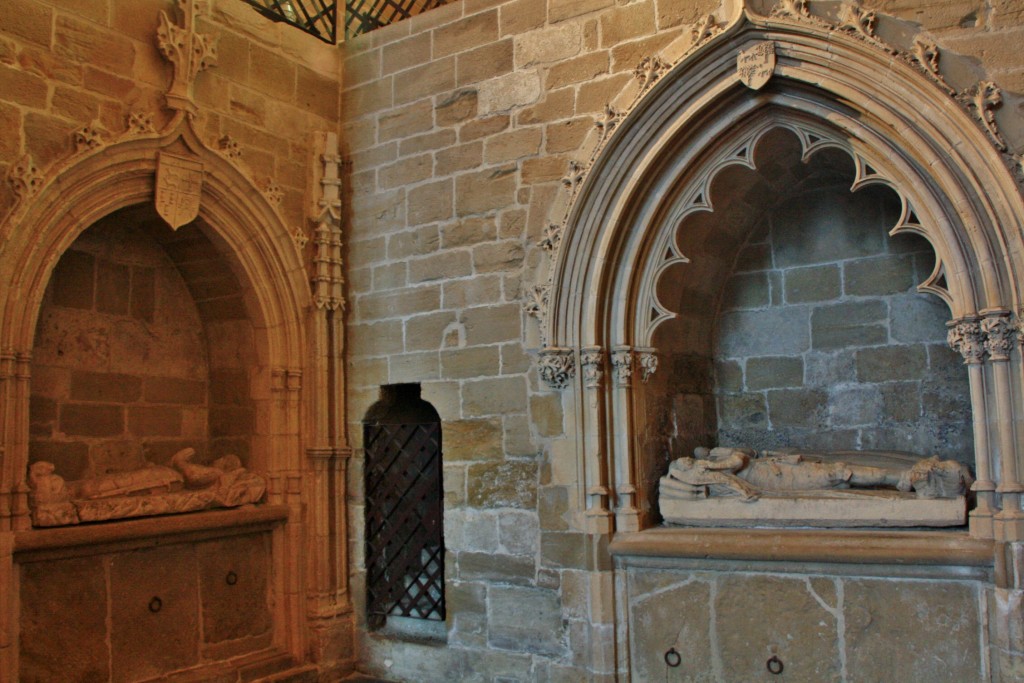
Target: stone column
point(627, 516)
point(1009, 522)
point(965, 337)
point(598, 517)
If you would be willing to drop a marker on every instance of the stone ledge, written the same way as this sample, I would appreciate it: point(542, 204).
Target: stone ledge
point(936, 548)
point(87, 539)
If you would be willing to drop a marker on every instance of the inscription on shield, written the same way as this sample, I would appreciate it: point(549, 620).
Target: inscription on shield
point(756, 64)
point(179, 184)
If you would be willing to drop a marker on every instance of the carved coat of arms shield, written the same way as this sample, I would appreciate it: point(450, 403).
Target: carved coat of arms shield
point(756, 64)
point(179, 184)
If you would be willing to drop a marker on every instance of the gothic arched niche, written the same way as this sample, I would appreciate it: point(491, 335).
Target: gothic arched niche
point(688, 129)
point(798, 321)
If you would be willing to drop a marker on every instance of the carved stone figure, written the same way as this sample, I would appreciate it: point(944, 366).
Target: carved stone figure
point(771, 482)
point(148, 490)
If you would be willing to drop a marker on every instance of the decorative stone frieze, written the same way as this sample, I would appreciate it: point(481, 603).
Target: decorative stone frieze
point(592, 363)
point(188, 51)
point(557, 366)
point(966, 338)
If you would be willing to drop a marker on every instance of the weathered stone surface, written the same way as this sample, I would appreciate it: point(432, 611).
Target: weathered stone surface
point(816, 283)
point(512, 90)
point(472, 440)
point(500, 568)
point(483, 63)
point(155, 616)
point(749, 627)
point(233, 575)
point(525, 619)
point(677, 615)
point(935, 624)
point(796, 408)
point(774, 373)
point(849, 324)
point(63, 610)
point(890, 363)
point(511, 483)
point(743, 333)
point(494, 396)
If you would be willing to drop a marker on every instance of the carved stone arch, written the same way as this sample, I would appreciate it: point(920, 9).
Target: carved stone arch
point(688, 111)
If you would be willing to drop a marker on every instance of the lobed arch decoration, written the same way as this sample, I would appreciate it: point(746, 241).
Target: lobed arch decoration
point(691, 113)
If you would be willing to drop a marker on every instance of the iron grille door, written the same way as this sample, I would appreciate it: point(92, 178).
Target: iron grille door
point(404, 534)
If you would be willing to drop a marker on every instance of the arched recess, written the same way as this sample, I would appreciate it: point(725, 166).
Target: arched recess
point(902, 130)
point(245, 227)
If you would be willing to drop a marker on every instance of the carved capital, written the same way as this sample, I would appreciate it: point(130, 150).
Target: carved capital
point(592, 362)
point(998, 336)
point(647, 359)
point(966, 338)
point(556, 366)
point(622, 365)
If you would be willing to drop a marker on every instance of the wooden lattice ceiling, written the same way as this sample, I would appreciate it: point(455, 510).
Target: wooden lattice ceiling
point(320, 17)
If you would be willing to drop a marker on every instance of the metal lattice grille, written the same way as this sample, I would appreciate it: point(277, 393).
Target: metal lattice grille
point(362, 16)
point(404, 536)
point(316, 17)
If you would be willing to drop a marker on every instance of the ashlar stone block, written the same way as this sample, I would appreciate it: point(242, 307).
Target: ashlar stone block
point(507, 484)
point(935, 624)
point(525, 619)
point(674, 616)
point(795, 619)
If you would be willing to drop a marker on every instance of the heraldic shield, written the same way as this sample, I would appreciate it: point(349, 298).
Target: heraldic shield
point(179, 185)
point(756, 64)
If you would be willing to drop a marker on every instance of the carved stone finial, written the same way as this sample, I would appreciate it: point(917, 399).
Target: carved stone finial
point(328, 279)
point(983, 99)
point(966, 338)
point(140, 124)
point(25, 178)
point(556, 366)
point(592, 362)
point(998, 336)
point(189, 52)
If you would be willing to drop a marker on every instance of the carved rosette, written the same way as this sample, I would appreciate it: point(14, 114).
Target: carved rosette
point(591, 360)
point(139, 123)
point(25, 178)
point(998, 336)
point(556, 366)
point(622, 365)
point(647, 359)
point(89, 138)
point(966, 338)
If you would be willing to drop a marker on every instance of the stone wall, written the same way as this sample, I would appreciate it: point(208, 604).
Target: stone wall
point(823, 342)
point(460, 125)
